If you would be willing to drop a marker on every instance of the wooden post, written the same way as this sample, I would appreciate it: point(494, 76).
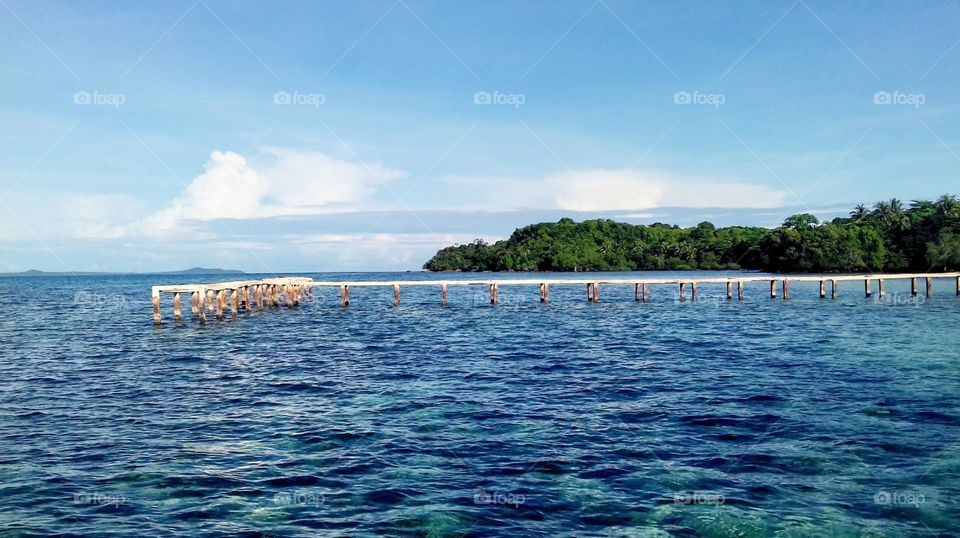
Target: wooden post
point(246, 298)
point(693, 291)
point(589, 292)
point(443, 294)
point(344, 295)
point(194, 301)
point(739, 290)
point(544, 292)
point(833, 289)
point(958, 286)
point(221, 300)
point(786, 289)
point(211, 303)
point(729, 290)
point(396, 294)
point(867, 292)
point(201, 308)
point(682, 296)
point(913, 286)
point(823, 290)
point(155, 298)
point(494, 293)
point(929, 287)
point(596, 292)
point(882, 287)
point(645, 292)
point(234, 300)
point(637, 293)
point(177, 312)
point(773, 289)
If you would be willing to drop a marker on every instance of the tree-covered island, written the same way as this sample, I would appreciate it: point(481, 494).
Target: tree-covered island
point(888, 237)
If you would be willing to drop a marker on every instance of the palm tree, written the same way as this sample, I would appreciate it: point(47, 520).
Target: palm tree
point(859, 213)
point(947, 205)
point(881, 210)
point(896, 206)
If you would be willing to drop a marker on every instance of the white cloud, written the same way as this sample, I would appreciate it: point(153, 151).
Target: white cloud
point(611, 190)
point(292, 183)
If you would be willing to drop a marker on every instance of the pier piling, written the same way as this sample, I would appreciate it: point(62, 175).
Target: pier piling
point(867, 292)
point(494, 293)
point(913, 286)
point(740, 290)
point(177, 312)
point(544, 292)
point(194, 301)
point(155, 299)
point(773, 289)
point(344, 295)
point(443, 294)
point(693, 291)
point(929, 287)
point(729, 290)
point(683, 296)
point(833, 289)
point(823, 290)
point(786, 289)
point(396, 295)
point(881, 288)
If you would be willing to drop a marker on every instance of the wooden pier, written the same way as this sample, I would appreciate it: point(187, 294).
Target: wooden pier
point(249, 295)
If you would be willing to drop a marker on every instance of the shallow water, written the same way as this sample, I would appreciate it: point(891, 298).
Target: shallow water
point(715, 418)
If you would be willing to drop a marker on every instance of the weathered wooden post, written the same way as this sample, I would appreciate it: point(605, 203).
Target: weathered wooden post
point(958, 286)
point(786, 289)
point(194, 301)
point(234, 300)
point(443, 294)
point(396, 294)
point(739, 290)
point(221, 302)
point(833, 289)
point(683, 297)
point(544, 292)
point(589, 292)
point(929, 287)
point(344, 295)
point(494, 293)
point(596, 292)
point(729, 290)
point(693, 291)
point(773, 289)
point(867, 291)
point(201, 308)
point(882, 287)
point(177, 312)
point(637, 293)
point(155, 299)
point(913, 286)
point(645, 292)
point(246, 298)
point(211, 302)
point(823, 290)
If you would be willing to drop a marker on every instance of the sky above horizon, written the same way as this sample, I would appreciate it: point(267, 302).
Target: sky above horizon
point(324, 136)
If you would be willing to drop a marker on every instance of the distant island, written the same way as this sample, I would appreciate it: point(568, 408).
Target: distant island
point(191, 271)
point(888, 237)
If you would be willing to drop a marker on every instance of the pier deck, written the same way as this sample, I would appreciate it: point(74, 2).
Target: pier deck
point(248, 295)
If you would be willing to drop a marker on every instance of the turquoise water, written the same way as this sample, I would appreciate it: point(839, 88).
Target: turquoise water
point(756, 418)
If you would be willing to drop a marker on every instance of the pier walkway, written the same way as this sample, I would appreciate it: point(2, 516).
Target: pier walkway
point(249, 295)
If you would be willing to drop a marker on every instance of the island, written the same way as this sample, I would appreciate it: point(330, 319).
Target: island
point(888, 237)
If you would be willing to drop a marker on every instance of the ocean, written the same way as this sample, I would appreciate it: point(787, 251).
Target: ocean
point(806, 417)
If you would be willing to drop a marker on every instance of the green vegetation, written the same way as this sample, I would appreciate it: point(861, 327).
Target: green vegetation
point(889, 237)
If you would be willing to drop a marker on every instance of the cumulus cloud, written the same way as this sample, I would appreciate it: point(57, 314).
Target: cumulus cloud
point(290, 182)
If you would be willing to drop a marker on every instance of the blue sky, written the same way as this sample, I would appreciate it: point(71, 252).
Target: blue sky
point(311, 136)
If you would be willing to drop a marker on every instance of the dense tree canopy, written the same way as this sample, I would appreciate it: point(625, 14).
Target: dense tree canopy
point(924, 237)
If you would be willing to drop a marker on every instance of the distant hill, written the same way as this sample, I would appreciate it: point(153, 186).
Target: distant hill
point(191, 271)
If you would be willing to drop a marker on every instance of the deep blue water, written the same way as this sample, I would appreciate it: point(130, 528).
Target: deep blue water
point(757, 418)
